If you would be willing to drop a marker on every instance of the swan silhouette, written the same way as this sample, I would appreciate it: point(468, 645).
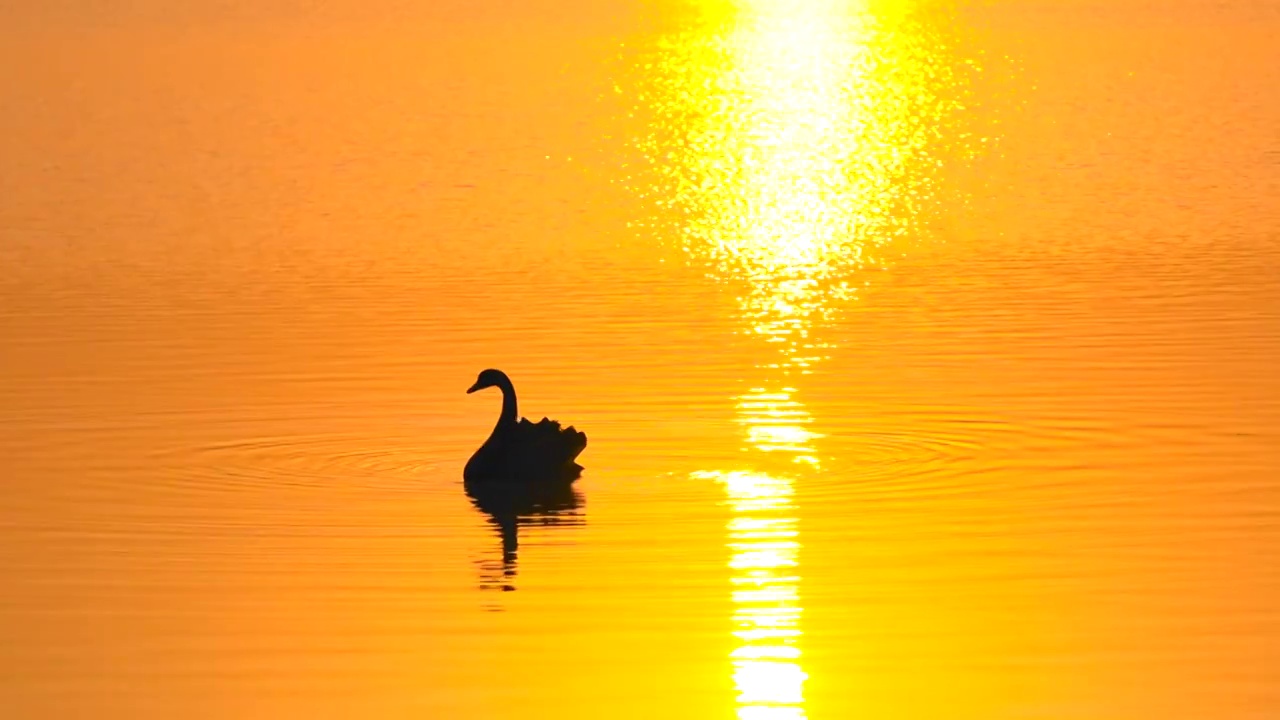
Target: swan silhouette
point(522, 452)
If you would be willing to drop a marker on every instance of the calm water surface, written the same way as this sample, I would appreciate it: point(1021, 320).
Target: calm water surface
point(927, 354)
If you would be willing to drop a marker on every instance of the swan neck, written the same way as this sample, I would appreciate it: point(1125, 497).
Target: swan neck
point(509, 412)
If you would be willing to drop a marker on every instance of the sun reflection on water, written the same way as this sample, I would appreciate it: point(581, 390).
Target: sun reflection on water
point(796, 144)
point(764, 544)
point(795, 147)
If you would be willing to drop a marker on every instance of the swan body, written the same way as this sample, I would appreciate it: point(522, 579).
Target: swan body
point(520, 451)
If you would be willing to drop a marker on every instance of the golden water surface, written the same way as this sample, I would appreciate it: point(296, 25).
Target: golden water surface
point(926, 351)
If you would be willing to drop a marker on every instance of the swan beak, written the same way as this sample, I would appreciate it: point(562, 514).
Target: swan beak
point(475, 387)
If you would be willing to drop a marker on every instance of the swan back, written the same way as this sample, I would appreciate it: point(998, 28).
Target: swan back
point(524, 451)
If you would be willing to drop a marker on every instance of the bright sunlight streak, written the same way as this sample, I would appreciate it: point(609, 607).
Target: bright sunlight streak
point(793, 157)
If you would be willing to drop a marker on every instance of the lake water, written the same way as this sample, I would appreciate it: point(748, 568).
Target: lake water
point(927, 354)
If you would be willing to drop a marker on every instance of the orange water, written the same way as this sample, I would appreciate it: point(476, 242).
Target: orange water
point(927, 355)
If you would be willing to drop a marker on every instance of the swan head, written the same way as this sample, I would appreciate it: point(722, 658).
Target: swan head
point(489, 378)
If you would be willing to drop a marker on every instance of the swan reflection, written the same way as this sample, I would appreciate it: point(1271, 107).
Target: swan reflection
point(510, 508)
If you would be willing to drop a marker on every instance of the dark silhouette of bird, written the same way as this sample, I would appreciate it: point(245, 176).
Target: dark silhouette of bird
point(523, 453)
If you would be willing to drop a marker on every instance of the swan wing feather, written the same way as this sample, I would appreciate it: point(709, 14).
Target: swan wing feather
point(547, 439)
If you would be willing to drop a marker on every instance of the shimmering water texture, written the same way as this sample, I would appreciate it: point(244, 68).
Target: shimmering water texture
point(926, 350)
point(796, 144)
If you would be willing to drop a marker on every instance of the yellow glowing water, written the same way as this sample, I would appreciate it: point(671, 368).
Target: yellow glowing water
point(926, 352)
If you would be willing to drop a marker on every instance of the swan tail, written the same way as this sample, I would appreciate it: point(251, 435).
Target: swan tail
point(576, 441)
point(548, 434)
